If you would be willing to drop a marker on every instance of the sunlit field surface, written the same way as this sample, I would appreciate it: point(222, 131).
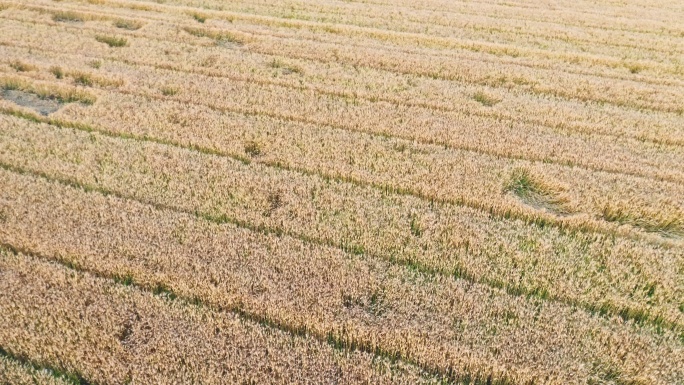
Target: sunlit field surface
point(342, 192)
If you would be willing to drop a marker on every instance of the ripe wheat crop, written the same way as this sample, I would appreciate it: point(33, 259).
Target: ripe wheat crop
point(445, 192)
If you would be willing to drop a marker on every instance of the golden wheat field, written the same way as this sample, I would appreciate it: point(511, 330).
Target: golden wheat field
point(342, 192)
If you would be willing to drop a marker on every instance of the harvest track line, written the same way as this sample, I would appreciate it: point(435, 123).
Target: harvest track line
point(558, 127)
point(529, 219)
point(371, 132)
point(509, 17)
point(450, 375)
point(446, 53)
point(464, 46)
point(393, 31)
point(639, 317)
point(419, 22)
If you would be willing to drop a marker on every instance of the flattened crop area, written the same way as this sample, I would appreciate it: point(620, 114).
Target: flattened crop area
point(341, 192)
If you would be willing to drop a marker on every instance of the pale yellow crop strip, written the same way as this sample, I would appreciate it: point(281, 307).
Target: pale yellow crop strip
point(109, 333)
point(443, 239)
point(552, 114)
point(450, 325)
point(429, 172)
point(368, 122)
point(500, 9)
point(343, 192)
point(360, 169)
point(238, 140)
point(474, 28)
point(622, 60)
point(615, 68)
point(549, 15)
point(430, 29)
point(532, 78)
point(620, 74)
point(651, 134)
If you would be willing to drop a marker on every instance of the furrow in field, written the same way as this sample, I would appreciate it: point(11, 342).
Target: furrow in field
point(452, 326)
point(600, 273)
point(449, 128)
point(574, 197)
point(548, 15)
point(550, 116)
point(474, 32)
point(571, 16)
point(481, 28)
point(110, 333)
point(580, 87)
point(641, 69)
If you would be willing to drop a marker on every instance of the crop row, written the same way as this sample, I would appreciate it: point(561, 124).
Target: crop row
point(427, 171)
point(601, 273)
point(451, 327)
point(98, 331)
point(477, 70)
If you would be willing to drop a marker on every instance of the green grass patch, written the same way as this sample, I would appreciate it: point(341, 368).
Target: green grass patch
point(199, 17)
point(285, 68)
point(68, 16)
point(57, 71)
point(169, 90)
point(485, 99)
point(20, 66)
point(536, 192)
point(667, 224)
point(253, 148)
point(219, 36)
point(112, 41)
point(131, 25)
point(83, 79)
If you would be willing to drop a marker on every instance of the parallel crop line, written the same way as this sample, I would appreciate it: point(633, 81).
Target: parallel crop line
point(388, 189)
point(646, 80)
point(371, 132)
point(559, 127)
point(450, 375)
point(447, 26)
point(626, 313)
point(509, 17)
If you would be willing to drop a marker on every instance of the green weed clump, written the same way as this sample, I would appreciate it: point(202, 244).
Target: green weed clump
point(484, 99)
point(112, 41)
point(57, 71)
point(20, 66)
point(665, 223)
point(253, 148)
point(130, 25)
point(199, 17)
point(71, 17)
point(534, 191)
point(169, 90)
